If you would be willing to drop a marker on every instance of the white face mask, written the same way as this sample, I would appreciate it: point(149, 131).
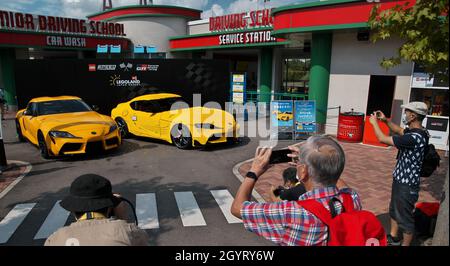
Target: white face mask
point(405, 120)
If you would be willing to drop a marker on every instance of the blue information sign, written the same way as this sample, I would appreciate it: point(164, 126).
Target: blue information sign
point(305, 117)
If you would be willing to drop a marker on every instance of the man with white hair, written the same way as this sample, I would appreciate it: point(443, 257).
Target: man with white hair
point(411, 143)
point(320, 162)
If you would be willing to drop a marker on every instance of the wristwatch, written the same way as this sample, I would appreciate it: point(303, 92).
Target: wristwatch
point(252, 175)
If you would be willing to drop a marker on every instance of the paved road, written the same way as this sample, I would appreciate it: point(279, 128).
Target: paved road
point(155, 172)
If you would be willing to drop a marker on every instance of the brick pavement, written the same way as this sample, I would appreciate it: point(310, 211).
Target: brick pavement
point(368, 170)
point(10, 174)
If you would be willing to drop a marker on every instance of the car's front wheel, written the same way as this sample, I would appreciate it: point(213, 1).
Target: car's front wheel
point(123, 127)
point(19, 132)
point(181, 137)
point(43, 146)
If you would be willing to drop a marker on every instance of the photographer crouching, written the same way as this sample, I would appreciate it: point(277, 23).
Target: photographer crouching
point(101, 217)
point(292, 188)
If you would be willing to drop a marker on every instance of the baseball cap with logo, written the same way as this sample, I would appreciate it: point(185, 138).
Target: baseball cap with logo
point(417, 107)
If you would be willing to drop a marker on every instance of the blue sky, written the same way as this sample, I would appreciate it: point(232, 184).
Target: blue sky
point(81, 8)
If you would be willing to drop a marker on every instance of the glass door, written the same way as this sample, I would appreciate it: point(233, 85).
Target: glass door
point(295, 75)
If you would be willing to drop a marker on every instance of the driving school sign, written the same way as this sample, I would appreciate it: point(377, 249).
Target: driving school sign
point(20, 21)
point(253, 19)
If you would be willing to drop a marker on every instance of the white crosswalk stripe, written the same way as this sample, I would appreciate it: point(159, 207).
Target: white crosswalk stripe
point(55, 220)
point(11, 222)
point(146, 211)
point(224, 199)
point(189, 211)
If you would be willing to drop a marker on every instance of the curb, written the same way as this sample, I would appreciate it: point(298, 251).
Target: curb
point(18, 179)
point(238, 175)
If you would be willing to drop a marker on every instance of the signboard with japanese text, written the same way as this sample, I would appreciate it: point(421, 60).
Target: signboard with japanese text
point(305, 117)
point(282, 116)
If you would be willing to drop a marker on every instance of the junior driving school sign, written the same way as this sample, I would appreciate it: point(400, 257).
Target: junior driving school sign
point(20, 21)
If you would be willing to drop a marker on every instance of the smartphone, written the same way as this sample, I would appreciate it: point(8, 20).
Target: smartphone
point(280, 156)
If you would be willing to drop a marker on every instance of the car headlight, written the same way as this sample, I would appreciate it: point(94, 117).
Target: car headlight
point(61, 134)
point(112, 128)
point(206, 126)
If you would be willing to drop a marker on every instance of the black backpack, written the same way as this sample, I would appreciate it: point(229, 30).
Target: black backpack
point(431, 161)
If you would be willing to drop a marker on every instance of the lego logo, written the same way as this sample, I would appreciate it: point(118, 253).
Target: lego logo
point(92, 67)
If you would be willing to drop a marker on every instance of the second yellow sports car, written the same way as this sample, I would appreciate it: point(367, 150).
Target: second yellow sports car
point(65, 125)
point(167, 117)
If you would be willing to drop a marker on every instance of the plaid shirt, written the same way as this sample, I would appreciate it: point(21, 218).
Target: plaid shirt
point(288, 224)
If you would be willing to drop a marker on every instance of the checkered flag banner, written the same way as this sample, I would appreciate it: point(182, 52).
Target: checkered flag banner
point(200, 75)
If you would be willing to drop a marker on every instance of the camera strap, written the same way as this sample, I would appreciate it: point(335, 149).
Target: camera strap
point(133, 209)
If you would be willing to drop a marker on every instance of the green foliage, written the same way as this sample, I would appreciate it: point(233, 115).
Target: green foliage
point(423, 28)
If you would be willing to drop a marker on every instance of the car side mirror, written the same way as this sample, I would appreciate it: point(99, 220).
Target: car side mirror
point(95, 108)
point(26, 112)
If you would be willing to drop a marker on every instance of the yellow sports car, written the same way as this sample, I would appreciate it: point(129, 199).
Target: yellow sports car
point(284, 116)
point(167, 117)
point(65, 125)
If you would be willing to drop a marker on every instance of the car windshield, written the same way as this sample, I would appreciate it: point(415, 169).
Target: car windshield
point(60, 107)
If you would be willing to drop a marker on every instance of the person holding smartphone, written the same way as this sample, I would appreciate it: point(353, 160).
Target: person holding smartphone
point(319, 162)
point(411, 143)
point(101, 217)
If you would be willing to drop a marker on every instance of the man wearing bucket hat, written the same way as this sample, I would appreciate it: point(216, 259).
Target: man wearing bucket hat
point(100, 217)
point(411, 143)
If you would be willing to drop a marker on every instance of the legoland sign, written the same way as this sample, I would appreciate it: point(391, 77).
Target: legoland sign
point(253, 19)
point(20, 21)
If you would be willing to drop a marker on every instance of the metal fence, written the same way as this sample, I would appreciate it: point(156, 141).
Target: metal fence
point(255, 97)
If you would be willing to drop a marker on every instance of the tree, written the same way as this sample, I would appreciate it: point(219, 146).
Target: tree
point(424, 29)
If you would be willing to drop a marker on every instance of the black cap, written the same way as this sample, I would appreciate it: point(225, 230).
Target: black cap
point(90, 193)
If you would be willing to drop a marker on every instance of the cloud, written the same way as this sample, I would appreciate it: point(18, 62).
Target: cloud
point(216, 10)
